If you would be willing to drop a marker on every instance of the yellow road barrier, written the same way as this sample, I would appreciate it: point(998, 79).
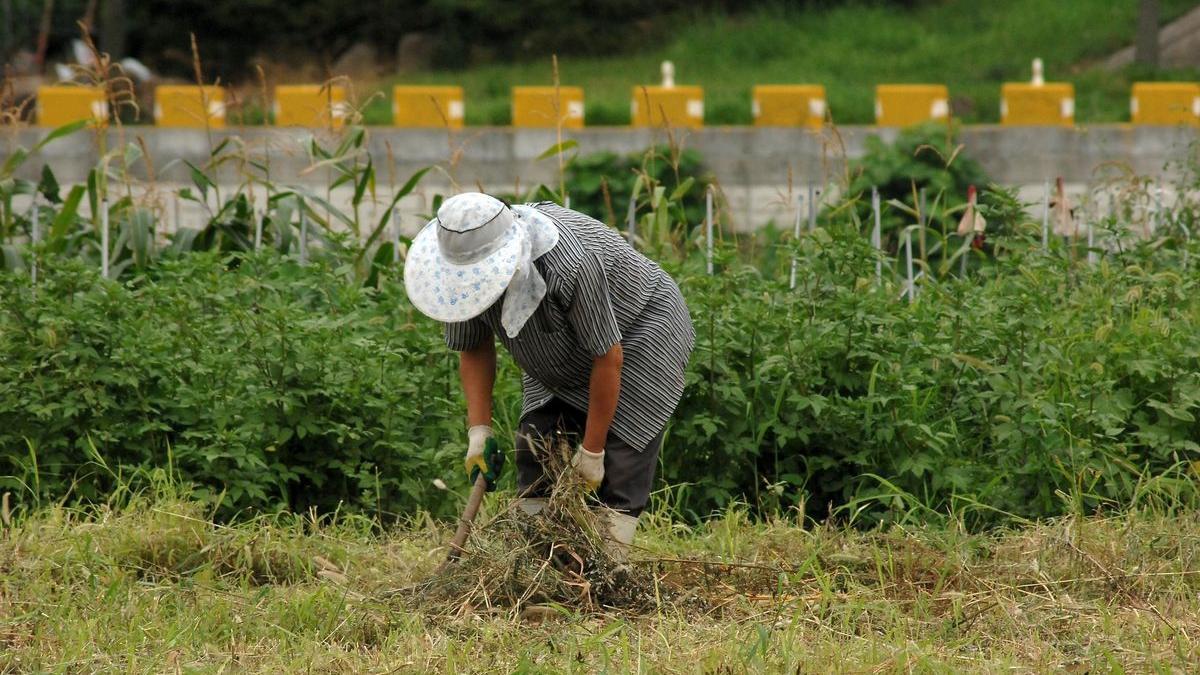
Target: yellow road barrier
point(1028, 104)
point(189, 106)
point(427, 106)
point(538, 107)
point(63, 104)
point(310, 105)
point(789, 105)
point(902, 105)
point(1165, 103)
point(681, 106)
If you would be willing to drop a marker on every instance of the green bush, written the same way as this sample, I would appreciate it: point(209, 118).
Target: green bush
point(922, 158)
point(589, 176)
point(1035, 387)
point(1032, 385)
point(1040, 387)
point(925, 171)
point(267, 384)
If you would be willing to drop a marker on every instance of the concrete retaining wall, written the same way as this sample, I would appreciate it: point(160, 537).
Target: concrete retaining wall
point(753, 165)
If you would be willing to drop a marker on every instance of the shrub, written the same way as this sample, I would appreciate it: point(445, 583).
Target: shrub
point(1041, 387)
point(588, 176)
point(1035, 387)
point(924, 158)
point(267, 384)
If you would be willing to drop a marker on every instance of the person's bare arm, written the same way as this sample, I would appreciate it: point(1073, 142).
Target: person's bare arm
point(477, 370)
point(604, 389)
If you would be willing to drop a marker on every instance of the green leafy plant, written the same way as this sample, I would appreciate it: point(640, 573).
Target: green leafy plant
point(604, 183)
point(1036, 384)
point(264, 383)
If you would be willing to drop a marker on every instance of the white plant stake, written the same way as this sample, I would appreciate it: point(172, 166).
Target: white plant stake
point(104, 236)
point(912, 287)
point(178, 214)
point(708, 227)
point(396, 238)
point(1187, 240)
point(258, 223)
point(1046, 216)
point(812, 207)
point(877, 235)
point(303, 237)
point(922, 218)
point(1158, 207)
point(631, 222)
point(1114, 212)
point(1091, 242)
point(36, 236)
point(814, 202)
point(1092, 211)
point(1183, 227)
point(796, 236)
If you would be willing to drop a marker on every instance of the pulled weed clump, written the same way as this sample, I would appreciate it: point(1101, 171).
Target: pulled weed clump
point(562, 562)
point(529, 564)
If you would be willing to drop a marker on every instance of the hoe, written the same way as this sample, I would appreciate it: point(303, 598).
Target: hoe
point(465, 521)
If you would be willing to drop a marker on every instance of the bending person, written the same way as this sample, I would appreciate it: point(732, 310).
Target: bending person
point(600, 332)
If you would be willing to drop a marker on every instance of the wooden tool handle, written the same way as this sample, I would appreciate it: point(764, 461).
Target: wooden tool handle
point(468, 517)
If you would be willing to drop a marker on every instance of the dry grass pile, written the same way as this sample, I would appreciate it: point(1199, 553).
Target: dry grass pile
point(561, 557)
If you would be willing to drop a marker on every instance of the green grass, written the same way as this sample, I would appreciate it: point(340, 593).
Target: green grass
point(152, 586)
point(970, 46)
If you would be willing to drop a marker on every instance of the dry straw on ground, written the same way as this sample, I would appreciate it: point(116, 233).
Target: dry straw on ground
point(153, 586)
point(520, 563)
point(558, 563)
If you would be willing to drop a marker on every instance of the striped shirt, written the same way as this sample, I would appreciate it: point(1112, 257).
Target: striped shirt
point(599, 292)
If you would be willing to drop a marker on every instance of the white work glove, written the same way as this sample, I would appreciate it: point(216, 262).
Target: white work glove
point(621, 528)
point(477, 438)
point(589, 466)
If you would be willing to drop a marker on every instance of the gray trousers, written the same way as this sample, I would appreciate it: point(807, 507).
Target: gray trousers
point(628, 471)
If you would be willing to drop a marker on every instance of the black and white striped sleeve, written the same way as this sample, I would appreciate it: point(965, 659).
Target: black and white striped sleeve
point(466, 335)
point(591, 313)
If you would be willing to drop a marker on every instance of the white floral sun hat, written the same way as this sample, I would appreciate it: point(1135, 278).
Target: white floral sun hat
point(476, 248)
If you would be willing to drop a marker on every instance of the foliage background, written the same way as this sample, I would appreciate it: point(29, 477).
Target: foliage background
point(274, 386)
point(1025, 384)
point(231, 32)
point(488, 46)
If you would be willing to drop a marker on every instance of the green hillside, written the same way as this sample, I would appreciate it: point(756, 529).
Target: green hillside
point(970, 46)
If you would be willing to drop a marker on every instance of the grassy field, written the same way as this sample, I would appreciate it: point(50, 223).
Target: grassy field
point(153, 586)
point(971, 46)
